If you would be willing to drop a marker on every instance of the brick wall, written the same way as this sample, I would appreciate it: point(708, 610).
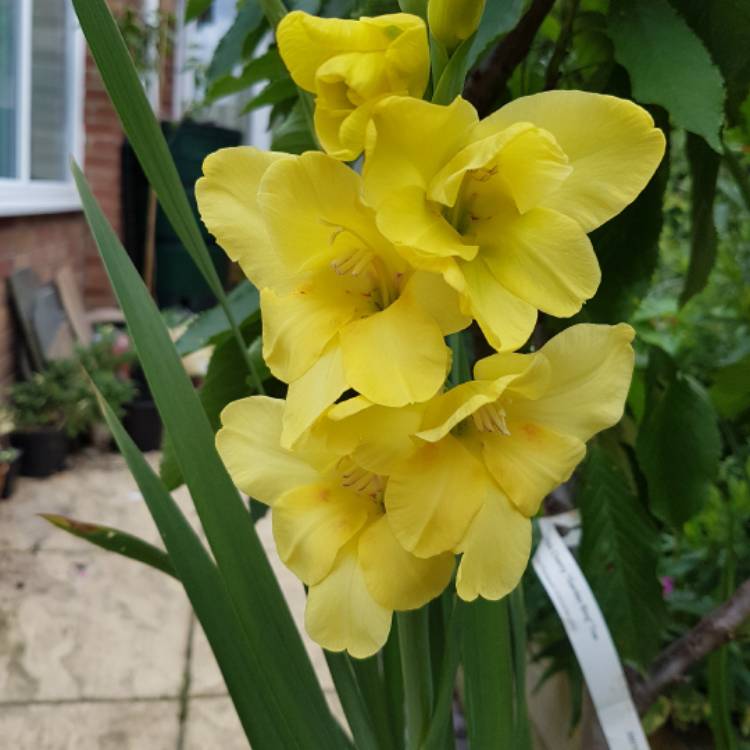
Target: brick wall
point(46, 243)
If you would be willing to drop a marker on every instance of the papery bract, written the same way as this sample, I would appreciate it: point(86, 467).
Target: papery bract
point(501, 207)
point(350, 66)
point(330, 529)
point(341, 309)
point(486, 452)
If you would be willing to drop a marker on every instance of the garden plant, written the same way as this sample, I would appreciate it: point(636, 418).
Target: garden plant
point(497, 270)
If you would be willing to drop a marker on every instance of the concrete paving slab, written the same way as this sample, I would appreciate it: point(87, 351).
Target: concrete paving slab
point(88, 625)
point(138, 725)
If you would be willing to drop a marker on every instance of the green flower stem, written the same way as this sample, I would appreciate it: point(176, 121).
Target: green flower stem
point(517, 611)
point(274, 11)
point(416, 669)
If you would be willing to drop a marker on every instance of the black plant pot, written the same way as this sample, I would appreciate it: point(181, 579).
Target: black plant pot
point(9, 482)
point(143, 424)
point(43, 451)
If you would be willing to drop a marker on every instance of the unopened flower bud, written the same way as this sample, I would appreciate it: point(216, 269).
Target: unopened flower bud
point(453, 21)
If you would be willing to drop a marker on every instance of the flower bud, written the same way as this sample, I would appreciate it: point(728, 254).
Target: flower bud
point(453, 21)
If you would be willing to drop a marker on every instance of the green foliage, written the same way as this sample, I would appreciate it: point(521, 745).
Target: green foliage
point(619, 552)
point(56, 398)
point(704, 173)
point(678, 449)
point(668, 65)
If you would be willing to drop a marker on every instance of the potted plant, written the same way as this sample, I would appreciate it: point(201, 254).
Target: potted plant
point(49, 409)
point(108, 360)
point(10, 462)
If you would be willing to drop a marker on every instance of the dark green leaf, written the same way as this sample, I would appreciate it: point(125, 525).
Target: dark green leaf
point(668, 65)
point(143, 131)
point(416, 669)
point(204, 329)
point(114, 540)
point(704, 172)
point(293, 135)
point(266, 67)
point(238, 660)
point(678, 450)
point(355, 706)
point(415, 7)
point(196, 8)
point(488, 674)
point(230, 49)
point(628, 249)
point(724, 27)
point(275, 92)
point(619, 556)
point(730, 392)
point(296, 702)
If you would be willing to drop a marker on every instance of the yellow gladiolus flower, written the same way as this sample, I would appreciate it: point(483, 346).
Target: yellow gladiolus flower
point(340, 308)
point(351, 65)
point(453, 21)
point(473, 472)
point(330, 529)
point(501, 207)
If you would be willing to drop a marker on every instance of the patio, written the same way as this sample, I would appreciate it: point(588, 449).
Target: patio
point(97, 652)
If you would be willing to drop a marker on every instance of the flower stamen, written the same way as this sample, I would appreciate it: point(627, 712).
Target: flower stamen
point(491, 418)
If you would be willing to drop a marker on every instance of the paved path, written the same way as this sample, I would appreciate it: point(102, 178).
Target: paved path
point(97, 652)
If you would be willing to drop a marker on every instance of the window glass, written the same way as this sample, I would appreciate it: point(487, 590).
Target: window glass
point(8, 87)
point(50, 90)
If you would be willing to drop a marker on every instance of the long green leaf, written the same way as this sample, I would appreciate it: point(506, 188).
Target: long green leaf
point(704, 240)
point(521, 726)
point(297, 699)
point(206, 590)
point(416, 667)
point(372, 686)
point(145, 136)
point(488, 675)
point(442, 715)
point(114, 540)
point(355, 707)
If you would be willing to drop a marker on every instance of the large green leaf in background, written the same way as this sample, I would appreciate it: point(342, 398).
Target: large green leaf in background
point(229, 50)
point(730, 392)
point(668, 65)
point(724, 27)
point(294, 699)
point(618, 554)
point(704, 173)
point(678, 447)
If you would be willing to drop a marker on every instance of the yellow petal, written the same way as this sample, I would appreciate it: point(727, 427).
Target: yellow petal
point(432, 294)
point(297, 327)
point(411, 142)
point(592, 366)
point(432, 497)
point(532, 372)
point(407, 218)
point(544, 258)
point(445, 411)
point(306, 42)
point(312, 208)
point(310, 395)
point(611, 143)
point(328, 124)
point(396, 578)
point(227, 201)
point(311, 523)
point(408, 58)
point(376, 437)
point(495, 550)
point(396, 356)
point(248, 444)
point(506, 320)
point(342, 615)
point(530, 462)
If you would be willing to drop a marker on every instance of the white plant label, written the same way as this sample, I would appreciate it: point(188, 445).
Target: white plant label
point(587, 631)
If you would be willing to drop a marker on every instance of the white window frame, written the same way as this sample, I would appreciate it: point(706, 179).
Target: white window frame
point(22, 196)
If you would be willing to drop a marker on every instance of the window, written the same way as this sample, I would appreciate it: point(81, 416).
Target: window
point(41, 68)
